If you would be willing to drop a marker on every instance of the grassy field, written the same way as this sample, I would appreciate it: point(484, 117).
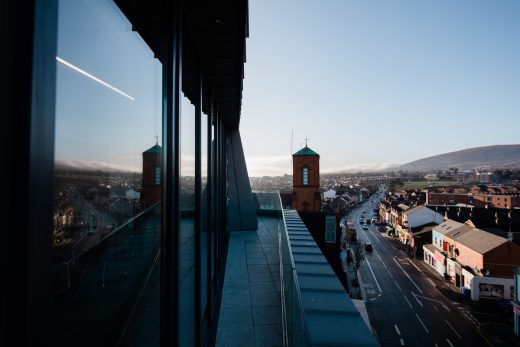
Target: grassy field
point(425, 184)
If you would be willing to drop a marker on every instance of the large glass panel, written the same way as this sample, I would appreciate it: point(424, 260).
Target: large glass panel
point(187, 224)
point(213, 202)
point(106, 233)
point(204, 223)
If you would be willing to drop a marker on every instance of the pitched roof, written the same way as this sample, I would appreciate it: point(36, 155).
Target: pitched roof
point(414, 209)
point(155, 149)
point(447, 226)
point(305, 151)
point(480, 241)
point(458, 232)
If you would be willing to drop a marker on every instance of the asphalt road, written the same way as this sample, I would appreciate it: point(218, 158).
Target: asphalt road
point(404, 306)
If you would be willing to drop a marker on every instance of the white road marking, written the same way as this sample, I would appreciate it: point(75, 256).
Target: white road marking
point(449, 343)
point(440, 302)
point(402, 342)
point(424, 326)
point(436, 345)
point(379, 257)
point(417, 299)
point(397, 329)
point(375, 237)
point(398, 286)
point(414, 265)
point(416, 286)
point(408, 301)
point(452, 328)
point(435, 308)
point(429, 280)
point(373, 275)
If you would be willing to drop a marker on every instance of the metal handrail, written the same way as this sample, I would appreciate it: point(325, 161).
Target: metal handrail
point(131, 220)
point(285, 337)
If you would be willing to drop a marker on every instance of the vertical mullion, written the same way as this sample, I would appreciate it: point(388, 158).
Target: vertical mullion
point(172, 77)
point(30, 206)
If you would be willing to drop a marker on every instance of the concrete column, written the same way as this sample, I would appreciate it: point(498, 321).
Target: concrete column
point(241, 205)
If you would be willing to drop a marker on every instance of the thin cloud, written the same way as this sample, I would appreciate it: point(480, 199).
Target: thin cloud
point(95, 165)
point(279, 165)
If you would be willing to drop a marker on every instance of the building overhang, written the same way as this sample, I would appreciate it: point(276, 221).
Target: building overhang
point(218, 31)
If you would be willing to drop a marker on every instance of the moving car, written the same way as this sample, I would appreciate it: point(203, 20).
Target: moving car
point(368, 246)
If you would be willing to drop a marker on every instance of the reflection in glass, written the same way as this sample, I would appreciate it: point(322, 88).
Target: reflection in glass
point(204, 212)
point(187, 224)
point(107, 179)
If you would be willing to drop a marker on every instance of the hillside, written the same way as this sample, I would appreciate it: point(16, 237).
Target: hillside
point(499, 156)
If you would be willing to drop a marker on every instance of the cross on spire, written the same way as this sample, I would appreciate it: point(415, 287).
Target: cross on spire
point(306, 139)
point(156, 139)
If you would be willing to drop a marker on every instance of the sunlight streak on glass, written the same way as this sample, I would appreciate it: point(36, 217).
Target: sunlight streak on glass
point(86, 74)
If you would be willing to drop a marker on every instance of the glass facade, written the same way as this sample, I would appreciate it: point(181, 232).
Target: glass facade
point(187, 223)
point(205, 213)
point(122, 171)
point(107, 219)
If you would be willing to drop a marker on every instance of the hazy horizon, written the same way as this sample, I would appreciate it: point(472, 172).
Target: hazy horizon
point(371, 84)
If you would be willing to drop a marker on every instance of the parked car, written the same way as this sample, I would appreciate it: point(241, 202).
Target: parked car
point(368, 246)
point(365, 227)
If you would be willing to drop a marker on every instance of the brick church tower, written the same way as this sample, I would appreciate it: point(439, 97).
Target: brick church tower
point(306, 196)
point(151, 192)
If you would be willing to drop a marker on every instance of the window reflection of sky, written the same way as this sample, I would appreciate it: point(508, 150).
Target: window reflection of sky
point(94, 124)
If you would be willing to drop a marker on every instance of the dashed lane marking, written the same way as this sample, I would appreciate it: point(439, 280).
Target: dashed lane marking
point(408, 301)
point(417, 299)
point(373, 275)
point(415, 284)
point(397, 329)
point(424, 326)
point(452, 328)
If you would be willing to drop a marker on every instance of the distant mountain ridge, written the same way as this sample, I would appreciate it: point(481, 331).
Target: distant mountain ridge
point(497, 156)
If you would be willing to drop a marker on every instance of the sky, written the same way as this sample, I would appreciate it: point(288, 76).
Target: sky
point(374, 83)
point(370, 83)
point(97, 127)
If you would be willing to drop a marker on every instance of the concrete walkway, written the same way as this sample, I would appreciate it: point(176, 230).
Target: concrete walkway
point(250, 314)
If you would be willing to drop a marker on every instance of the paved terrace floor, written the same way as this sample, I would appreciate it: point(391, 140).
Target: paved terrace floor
point(250, 314)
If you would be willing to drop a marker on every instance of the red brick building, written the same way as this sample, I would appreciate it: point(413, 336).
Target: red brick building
point(306, 181)
point(474, 199)
point(151, 192)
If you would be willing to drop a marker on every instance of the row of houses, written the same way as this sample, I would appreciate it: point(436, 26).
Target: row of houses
point(473, 260)
point(342, 200)
point(476, 261)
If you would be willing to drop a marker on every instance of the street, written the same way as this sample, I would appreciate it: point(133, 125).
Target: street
point(404, 306)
